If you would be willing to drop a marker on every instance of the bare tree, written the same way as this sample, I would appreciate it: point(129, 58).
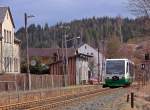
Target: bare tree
point(140, 7)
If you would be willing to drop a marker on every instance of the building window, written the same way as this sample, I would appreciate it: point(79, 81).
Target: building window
point(4, 35)
point(6, 64)
point(7, 38)
point(15, 64)
point(10, 63)
point(10, 36)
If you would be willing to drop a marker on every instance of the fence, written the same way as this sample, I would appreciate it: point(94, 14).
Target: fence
point(19, 82)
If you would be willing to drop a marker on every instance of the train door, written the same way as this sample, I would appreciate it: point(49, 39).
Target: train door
point(127, 70)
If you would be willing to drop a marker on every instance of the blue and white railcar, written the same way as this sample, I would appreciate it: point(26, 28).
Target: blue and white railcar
point(119, 72)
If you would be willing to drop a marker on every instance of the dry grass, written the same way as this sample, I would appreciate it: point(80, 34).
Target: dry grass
point(137, 40)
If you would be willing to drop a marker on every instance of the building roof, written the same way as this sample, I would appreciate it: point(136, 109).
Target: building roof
point(92, 46)
point(82, 44)
point(80, 55)
point(49, 52)
point(3, 10)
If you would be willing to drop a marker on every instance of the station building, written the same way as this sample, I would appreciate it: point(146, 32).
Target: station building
point(77, 69)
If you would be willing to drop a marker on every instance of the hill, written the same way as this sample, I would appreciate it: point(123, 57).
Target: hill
point(91, 30)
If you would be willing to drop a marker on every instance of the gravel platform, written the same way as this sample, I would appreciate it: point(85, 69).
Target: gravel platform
point(108, 101)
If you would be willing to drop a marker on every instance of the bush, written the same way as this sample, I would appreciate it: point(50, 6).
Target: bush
point(39, 69)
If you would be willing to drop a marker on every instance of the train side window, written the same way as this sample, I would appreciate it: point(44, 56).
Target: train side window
point(127, 68)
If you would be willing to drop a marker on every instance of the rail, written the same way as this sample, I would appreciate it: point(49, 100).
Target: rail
point(34, 103)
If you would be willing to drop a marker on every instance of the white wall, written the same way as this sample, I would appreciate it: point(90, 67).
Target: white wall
point(88, 50)
point(81, 70)
point(8, 48)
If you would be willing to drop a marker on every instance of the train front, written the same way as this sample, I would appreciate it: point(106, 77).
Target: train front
point(115, 73)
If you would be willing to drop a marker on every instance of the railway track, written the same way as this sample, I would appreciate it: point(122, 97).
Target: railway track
point(56, 102)
point(35, 103)
point(66, 102)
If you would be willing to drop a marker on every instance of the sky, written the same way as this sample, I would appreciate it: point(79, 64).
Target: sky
point(54, 11)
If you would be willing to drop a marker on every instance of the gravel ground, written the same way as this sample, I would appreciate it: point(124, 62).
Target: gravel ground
point(104, 102)
point(142, 99)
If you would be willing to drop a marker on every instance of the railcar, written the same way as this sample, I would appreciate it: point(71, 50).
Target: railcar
point(119, 72)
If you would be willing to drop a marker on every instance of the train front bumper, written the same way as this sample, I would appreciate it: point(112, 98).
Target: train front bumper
point(117, 83)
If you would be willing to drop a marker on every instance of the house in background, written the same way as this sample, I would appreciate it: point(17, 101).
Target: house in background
point(9, 45)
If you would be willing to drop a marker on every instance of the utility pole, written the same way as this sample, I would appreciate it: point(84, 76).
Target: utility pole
point(120, 28)
point(65, 56)
point(27, 38)
point(55, 29)
point(102, 57)
point(28, 69)
point(98, 66)
point(66, 61)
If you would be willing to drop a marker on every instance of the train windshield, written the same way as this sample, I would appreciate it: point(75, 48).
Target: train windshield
point(115, 67)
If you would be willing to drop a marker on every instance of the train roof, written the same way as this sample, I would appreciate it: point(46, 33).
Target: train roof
point(118, 59)
point(125, 59)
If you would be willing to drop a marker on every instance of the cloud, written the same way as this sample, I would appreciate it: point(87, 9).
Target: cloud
point(53, 11)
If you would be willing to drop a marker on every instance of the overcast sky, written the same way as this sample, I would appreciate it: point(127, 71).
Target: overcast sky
point(53, 11)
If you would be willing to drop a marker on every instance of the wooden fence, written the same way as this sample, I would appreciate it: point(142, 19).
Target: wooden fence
point(19, 82)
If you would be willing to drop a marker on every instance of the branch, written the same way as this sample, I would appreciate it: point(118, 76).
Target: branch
point(140, 7)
